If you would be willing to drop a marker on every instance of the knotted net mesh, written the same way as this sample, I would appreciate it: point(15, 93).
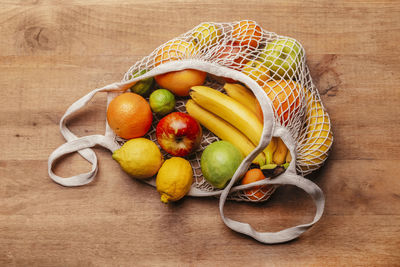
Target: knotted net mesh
point(277, 63)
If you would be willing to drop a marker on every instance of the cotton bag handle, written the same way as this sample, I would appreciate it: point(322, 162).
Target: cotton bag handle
point(289, 177)
point(83, 144)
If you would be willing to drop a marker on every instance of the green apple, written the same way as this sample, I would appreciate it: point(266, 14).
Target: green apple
point(206, 35)
point(282, 56)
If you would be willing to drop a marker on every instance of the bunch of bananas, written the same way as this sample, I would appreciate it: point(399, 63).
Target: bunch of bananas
point(236, 118)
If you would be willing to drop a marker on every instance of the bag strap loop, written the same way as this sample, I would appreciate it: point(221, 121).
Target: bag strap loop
point(287, 234)
point(79, 145)
point(82, 145)
point(289, 177)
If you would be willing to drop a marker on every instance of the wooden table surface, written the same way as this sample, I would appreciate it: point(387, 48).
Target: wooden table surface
point(54, 52)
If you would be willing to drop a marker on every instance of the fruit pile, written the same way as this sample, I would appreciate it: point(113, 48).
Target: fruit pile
point(132, 114)
point(148, 118)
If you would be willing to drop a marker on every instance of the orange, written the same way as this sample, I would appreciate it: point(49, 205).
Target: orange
point(256, 192)
point(174, 50)
point(129, 115)
point(179, 82)
point(285, 98)
point(247, 33)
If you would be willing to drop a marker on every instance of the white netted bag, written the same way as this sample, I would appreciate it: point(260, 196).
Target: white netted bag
point(274, 69)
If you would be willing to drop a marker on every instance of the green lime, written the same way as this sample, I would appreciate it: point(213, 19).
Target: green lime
point(162, 101)
point(142, 87)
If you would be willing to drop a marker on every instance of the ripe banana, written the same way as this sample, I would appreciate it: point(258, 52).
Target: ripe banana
point(270, 150)
point(245, 97)
point(280, 152)
point(313, 150)
point(223, 130)
point(230, 110)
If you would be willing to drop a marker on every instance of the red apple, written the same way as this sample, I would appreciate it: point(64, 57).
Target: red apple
point(231, 55)
point(179, 134)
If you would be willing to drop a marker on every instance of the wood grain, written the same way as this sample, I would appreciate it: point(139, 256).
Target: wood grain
point(53, 52)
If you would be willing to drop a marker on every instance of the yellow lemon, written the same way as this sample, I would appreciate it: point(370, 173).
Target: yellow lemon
point(139, 157)
point(174, 179)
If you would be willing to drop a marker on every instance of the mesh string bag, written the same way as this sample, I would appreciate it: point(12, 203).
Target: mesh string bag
point(273, 68)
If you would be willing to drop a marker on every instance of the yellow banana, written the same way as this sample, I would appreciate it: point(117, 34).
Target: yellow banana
point(230, 110)
point(223, 130)
point(313, 150)
point(269, 151)
point(280, 152)
point(244, 96)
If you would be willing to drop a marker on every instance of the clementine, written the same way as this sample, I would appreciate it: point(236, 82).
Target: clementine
point(256, 192)
point(129, 115)
point(285, 98)
point(247, 33)
point(179, 82)
point(174, 50)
